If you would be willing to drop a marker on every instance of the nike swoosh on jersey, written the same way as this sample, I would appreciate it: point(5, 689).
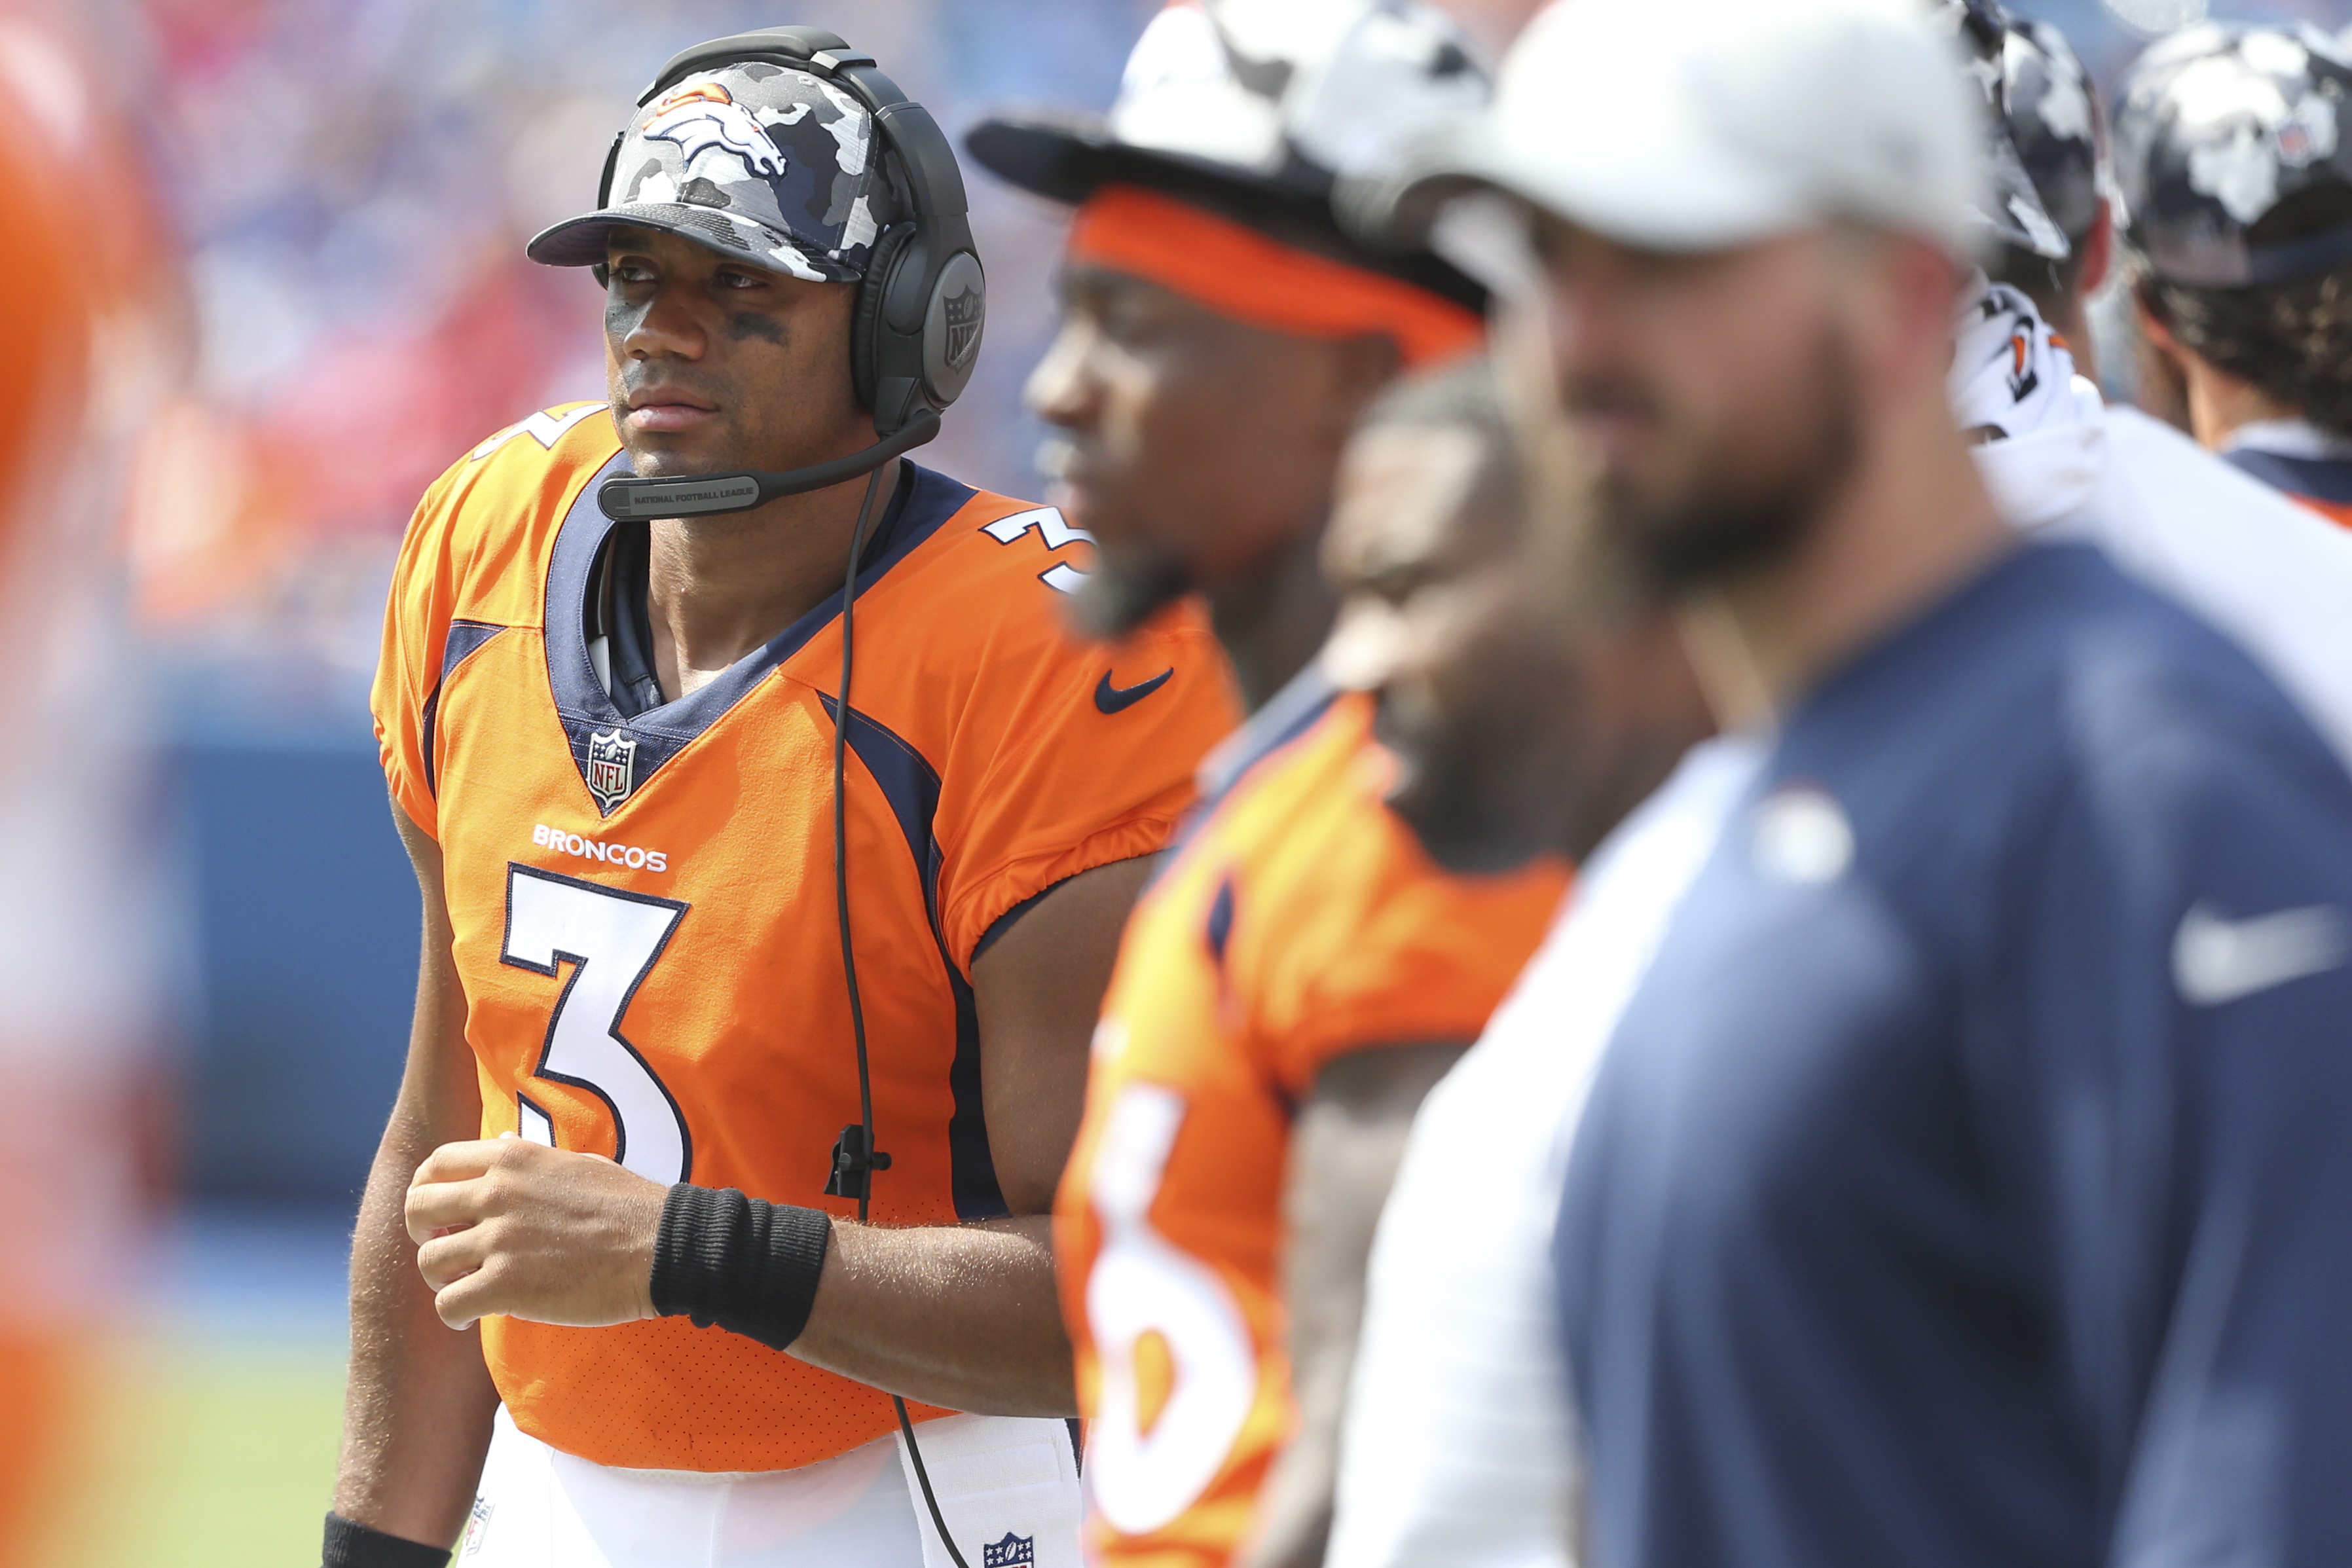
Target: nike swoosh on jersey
point(2216, 960)
point(1111, 699)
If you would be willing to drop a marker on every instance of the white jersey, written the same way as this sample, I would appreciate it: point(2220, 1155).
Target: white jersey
point(1456, 1448)
point(1456, 1445)
point(2273, 575)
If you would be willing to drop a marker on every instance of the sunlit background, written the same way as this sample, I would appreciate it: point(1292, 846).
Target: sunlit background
point(334, 195)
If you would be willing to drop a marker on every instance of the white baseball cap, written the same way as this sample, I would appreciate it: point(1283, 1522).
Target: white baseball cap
point(1695, 125)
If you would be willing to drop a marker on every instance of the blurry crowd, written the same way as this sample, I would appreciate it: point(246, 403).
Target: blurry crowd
point(346, 189)
point(340, 194)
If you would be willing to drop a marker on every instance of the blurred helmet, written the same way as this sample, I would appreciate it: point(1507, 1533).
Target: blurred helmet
point(1278, 96)
point(2218, 127)
point(2054, 122)
point(2015, 212)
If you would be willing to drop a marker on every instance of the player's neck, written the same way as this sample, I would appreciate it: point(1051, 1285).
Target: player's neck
point(1912, 525)
point(720, 588)
point(1274, 619)
point(2219, 404)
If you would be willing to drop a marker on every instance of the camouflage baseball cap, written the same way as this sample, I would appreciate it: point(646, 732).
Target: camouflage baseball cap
point(2014, 214)
point(2054, 122)
point(2216, 129)
point(776, 166)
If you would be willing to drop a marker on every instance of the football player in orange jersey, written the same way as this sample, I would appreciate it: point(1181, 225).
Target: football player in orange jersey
point(655, 813)
point(1299, 969)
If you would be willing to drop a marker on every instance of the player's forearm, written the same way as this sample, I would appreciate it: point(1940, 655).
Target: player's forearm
point(418, 1405)
point(961, 1316)
point(1346, 1148)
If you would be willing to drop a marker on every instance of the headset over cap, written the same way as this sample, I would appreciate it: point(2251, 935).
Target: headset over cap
point(2215, 129)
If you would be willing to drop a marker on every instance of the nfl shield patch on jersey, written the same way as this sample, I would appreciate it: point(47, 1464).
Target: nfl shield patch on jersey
point(1012, 1552)
point(612, 767)
point(477, 1525)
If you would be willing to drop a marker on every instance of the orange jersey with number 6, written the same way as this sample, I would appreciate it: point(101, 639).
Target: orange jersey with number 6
point(645, 908)
point(1301, 922)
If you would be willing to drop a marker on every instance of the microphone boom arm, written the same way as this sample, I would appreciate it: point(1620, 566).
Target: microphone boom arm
point(707, 495)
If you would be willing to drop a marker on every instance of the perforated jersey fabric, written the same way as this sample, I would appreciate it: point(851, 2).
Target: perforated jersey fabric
point(1299, 922)
point(645, 907)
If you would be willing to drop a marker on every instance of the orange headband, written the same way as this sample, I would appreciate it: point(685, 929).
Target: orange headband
point(1238, 272)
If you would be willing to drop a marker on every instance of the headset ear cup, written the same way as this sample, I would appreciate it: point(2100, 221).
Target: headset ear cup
point(866, 325)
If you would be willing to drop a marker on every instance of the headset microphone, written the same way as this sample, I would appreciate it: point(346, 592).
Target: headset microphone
point(706, 495)
point(914, 338)
point(921, 306)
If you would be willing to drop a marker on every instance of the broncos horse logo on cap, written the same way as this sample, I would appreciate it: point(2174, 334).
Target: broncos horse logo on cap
point(704, 115)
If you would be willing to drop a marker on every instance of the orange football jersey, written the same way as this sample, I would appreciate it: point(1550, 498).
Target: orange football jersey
point(1299, 922)
point(644, 909)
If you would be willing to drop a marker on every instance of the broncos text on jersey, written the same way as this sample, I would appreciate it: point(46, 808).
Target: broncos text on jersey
point(644, 908)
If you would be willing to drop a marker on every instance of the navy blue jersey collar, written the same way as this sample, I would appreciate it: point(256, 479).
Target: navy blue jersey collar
point(617, 753)
point(2327, 479)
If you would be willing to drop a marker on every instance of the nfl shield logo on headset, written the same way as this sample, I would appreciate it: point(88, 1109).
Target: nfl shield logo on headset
point(1012, 1552)
point(965, 312)
point(612, 767)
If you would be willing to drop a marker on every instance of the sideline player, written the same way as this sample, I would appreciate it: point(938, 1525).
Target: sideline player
point(1446, 1461)
point(2233, 149)
point(611, 751)
point(1299, 971)
point(1453, 1424)
point(1952, 1187)
point(2066, 465)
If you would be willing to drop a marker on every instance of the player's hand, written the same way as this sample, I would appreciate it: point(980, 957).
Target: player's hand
point(505, 1225)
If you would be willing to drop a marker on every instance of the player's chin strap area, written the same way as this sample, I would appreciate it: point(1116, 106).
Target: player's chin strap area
point(703, 495)
point(855, 1158)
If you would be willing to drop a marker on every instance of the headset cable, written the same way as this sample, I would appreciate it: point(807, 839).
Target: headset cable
point(860, 1162)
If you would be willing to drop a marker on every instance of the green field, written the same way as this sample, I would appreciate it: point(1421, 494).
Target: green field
point(205, 1455)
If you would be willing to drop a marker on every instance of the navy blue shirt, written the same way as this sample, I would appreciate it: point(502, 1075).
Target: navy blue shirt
point(1969, 1180)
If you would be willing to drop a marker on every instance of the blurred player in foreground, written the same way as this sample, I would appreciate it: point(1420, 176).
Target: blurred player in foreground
point(1446, 1459)
point(1299, 971)
point(1530, 711)
point(92, 341)
point(2233, 149)
point(1953, 1186)
point(612, 753)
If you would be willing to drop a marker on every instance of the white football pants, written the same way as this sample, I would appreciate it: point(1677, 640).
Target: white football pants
point(1008, 1488)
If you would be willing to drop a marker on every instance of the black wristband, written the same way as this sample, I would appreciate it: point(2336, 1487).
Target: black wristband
point(352, 1545)
point(745, 1264)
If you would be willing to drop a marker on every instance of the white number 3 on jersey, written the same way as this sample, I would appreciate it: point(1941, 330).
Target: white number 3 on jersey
point(611, 940)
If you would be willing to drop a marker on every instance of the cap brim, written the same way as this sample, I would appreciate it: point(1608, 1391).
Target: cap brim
point(1067, 158)
point(1655, 202)
point(582, 241)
